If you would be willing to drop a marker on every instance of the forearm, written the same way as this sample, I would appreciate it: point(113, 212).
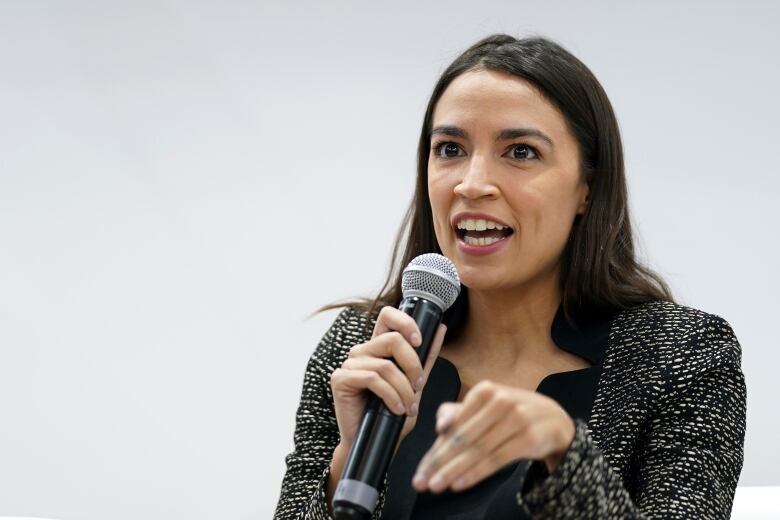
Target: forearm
point(688, 462)
point(582, 485)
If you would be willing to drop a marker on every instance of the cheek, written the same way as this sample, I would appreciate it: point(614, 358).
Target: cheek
point(549, 214)
point(440, 196)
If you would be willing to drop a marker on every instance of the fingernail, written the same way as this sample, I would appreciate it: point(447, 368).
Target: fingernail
point(436, 483)
point(443, 423)
point(416, 339)
point(418, 385)
point(459, 484)
point(400, 409)
point(419, 479)
point(413, 410)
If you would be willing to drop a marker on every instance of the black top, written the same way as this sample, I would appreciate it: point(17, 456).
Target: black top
point(494, 497)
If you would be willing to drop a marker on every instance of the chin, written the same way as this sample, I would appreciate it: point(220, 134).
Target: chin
point(477, 279)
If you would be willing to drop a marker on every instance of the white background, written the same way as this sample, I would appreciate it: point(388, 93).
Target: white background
point(181, 183)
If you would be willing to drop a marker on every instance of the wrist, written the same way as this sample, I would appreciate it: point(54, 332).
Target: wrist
point(566, 437)
point(340, 454)
point(337, 463)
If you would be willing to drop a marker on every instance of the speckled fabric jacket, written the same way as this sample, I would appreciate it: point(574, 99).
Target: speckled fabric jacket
point(664, 437)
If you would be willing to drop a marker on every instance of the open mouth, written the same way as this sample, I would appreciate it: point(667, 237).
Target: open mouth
point(481, 232)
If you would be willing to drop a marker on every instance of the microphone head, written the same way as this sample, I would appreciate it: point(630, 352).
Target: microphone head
point(432, 277)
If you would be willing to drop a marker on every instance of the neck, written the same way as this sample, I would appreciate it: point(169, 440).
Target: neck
point(510, 325)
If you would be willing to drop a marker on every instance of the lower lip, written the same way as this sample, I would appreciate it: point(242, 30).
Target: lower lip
point(482, 250)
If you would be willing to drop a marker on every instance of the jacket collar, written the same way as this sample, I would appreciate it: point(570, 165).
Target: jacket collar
point(586, 336)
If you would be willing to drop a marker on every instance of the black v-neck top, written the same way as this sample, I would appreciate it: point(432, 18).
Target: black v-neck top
point(495, 497)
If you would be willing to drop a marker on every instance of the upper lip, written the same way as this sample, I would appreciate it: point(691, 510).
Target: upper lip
point(473, 215)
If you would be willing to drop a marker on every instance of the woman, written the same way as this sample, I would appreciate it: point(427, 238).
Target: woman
point(568, 384)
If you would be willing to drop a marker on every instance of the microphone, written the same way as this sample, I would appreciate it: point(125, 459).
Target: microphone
point(430, 285)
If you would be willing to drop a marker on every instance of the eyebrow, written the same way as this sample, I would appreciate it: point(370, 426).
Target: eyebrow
point(504, 135)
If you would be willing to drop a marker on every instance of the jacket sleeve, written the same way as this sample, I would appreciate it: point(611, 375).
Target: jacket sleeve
point(316, 431)
point(691, 457)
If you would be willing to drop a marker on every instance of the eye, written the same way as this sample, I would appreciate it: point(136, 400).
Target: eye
point(524, 152)
point(447, 149)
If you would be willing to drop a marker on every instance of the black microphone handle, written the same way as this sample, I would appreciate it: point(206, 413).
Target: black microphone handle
point(369, 458)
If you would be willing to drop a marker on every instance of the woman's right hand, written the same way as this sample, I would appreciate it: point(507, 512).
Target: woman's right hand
point(370, 367)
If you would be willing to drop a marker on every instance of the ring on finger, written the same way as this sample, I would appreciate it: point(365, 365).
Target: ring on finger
point(457, 439)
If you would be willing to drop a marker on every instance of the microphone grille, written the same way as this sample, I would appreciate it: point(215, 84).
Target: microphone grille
point(433, 277)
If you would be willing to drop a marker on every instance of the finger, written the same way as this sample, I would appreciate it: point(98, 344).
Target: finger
point(392, 319)
point(482, 448)
point(465, 426)
point(436, 345)
point(369, 380)
point(450, 472)
point(478, 397)
point(485, 466)
point(444, 450)
point(445, 415)
point(390, 372)
point(467, 435)
point(500, 409)
point(394, 346)
point(428, 463)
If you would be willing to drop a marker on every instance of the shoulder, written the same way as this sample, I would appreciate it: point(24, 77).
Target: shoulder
point(352, 322)
point(351, 327)
point(675, 338)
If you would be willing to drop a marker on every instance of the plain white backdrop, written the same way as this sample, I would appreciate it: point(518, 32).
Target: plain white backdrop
point(182, 183)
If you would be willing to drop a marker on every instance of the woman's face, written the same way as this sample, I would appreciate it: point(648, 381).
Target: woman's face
point(503, 179)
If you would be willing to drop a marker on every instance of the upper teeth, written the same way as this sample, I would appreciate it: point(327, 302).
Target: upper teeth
point(478, 225)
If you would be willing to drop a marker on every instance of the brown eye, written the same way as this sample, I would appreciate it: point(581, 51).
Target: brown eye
point(524, 152)
point(447, 149)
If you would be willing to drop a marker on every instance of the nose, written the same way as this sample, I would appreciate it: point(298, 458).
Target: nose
point(476, 182)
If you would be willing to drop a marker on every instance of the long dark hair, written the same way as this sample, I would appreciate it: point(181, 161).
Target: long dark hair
point(599, 269)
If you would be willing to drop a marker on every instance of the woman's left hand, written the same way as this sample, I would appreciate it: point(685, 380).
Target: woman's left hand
point(493, 426)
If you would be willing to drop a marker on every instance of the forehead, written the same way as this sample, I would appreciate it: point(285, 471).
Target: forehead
point(495, 99)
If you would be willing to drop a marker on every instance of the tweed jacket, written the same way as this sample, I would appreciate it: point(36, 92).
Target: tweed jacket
point(664, 437)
